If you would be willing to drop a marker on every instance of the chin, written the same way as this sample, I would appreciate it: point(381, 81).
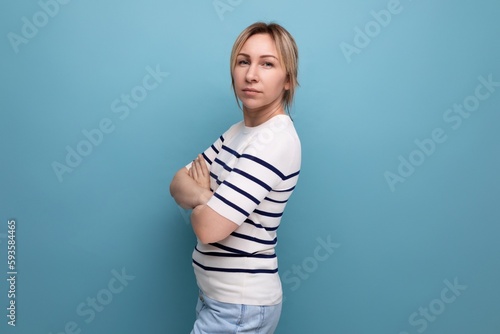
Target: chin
point(250, 105)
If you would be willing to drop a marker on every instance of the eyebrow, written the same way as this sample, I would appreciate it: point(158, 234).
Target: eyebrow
point(263, 56)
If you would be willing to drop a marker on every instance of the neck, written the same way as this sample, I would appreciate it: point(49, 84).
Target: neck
point(255, 117)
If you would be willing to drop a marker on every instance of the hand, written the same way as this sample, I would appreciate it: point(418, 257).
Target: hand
point(200, 173)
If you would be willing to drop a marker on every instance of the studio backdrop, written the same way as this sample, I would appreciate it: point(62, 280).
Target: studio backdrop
point(393, 227)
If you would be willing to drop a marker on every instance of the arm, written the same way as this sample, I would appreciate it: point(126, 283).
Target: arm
point(209, 226)
point(191, 189)
point(253, 176)
point(187, 191)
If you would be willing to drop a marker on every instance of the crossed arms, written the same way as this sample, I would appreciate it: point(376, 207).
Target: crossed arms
point(191, 190)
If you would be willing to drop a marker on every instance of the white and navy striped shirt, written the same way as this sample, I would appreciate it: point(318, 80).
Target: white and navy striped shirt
point(253, 172)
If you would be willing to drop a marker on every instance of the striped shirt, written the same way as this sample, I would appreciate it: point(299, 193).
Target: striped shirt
point(253, 172)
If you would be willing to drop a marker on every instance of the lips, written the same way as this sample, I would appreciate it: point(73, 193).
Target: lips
point(251, 90)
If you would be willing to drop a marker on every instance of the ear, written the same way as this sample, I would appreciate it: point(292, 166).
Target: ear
point(287, 83)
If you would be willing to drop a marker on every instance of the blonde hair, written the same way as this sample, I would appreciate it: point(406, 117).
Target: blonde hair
point(287, 52)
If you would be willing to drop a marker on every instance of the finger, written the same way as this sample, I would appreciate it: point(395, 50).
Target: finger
point(194, 170)
point(197, 164)
point(204, 167)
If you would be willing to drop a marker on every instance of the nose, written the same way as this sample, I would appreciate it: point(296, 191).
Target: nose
point(252, 74)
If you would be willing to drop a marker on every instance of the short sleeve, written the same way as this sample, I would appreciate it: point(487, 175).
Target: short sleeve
point(259, 169)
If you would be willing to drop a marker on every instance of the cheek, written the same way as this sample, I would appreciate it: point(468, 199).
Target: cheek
point(280, 83)
point(238, 76)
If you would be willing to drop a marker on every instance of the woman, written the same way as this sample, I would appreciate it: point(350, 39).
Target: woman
point(239, 186)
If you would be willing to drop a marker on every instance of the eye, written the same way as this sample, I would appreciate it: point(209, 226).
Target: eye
point(268, 64)
point(243, 62)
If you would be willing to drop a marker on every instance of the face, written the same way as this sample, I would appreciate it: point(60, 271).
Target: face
point(259, 78)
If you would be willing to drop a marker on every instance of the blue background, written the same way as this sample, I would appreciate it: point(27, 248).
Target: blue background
point(356, 115)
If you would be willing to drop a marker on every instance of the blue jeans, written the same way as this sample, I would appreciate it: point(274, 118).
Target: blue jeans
point(214, 317)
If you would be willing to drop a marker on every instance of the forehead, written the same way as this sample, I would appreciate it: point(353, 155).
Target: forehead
point(260, 44)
